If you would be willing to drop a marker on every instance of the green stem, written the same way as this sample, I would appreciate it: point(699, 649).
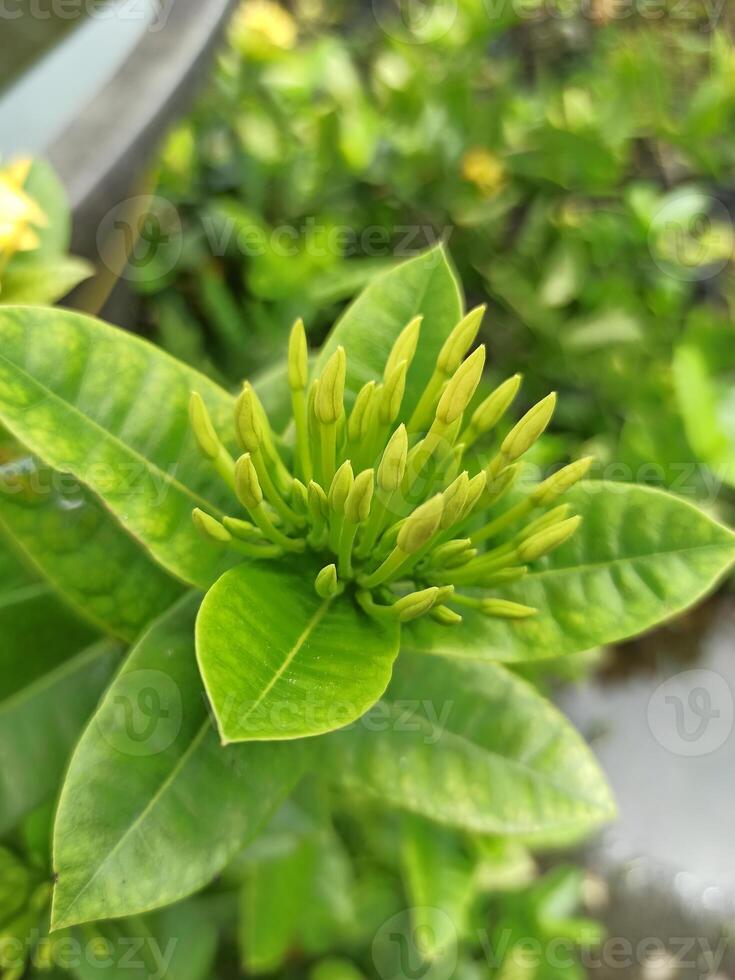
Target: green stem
point(303, 451)
point(266, 525)
point(392, 564)
point(327, 451)
point(271, 492)
point(424, 411)
point(344, 549)
point(501, 523)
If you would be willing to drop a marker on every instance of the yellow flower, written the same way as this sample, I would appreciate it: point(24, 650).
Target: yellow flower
point(261, 28)
point(483, 169)
point(19, 213)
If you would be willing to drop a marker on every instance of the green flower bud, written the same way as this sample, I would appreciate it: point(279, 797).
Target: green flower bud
point(299, 497)
point(525, 432)
point(247, 485)
point(326, 583)
point(445, 616)
point(357, 505)
point(393, 464)
point(444, 593)
point(360, 415)
point(499, 485)
point(475, 489)
point(561, 481)
point(243, 530)
point(459, 391)
point(555, 516)
point(487, 415)
point(298, 357)
point(548, 540)
point(459, 342)
point(421, 525)
point(455, 499)
point(391, 394)
point(247, 421)
point(329, 400)
point(340, 488)
point(449, 550)
point(318, 502)
point(210, 527)
point(201, 424)
point(404, 347)
point(505, 609)
point(415, 604)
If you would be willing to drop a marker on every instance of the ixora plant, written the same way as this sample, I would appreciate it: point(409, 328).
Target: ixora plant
point(333, 628)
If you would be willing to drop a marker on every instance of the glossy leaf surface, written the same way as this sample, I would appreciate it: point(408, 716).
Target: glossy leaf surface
point(279, 662)
point(153, 807)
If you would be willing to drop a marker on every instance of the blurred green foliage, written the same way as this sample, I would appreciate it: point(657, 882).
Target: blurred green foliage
point(576, 157)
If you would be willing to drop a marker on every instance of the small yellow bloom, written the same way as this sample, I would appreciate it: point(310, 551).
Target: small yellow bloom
point(18, 212)
point(483, 169)
point(261, 28)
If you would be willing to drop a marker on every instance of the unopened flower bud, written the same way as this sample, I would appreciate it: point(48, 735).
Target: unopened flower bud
point(210, 527)
point(329, 401)
point(360, 414)
point(415, 604)
point(393, 464)
point(475, 490)
point(554, 516)
point(548, 540)
point(404, 347)
point(318, 502)
point(459, 391)
point(487, 415)
point(391, 394)
point(525, 432)
point(327, 583)
point(505, 609)
point(201, 424)
point(499, 485)
point(420, 525)
point(340, 488)
point(298, 357)
point(243, 530)
point(445, 616)
point(561, 481)
point(455, 499)
point(444, 593)
point(247, 421)
point(357, 505)
point(299, 496)
point(449, 550)
point(247, 485)
point(459, 342)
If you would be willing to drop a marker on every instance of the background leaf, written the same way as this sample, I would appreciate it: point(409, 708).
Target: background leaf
point(640, 557)
point(472, 746)
point(367, 329)
point(153, 807)
point(78, 547)
point(96, 402)
point(279, 662)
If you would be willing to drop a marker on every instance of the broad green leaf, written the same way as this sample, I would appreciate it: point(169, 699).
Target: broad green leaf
point(153, 807)
point(177, 943)
point(278, 662)
point(640, 557)
point(43, 281)
point(423, 285)
point(45, 700)
point(563, 275)
point(78, 547)
point(110, 409)
point(272, 901)
point(473, 746)
point(438, 876)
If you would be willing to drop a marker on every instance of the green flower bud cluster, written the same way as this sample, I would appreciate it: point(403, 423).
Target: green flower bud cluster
point(399, 515)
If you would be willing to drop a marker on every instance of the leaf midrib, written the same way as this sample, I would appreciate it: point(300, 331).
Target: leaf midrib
point(132, 453)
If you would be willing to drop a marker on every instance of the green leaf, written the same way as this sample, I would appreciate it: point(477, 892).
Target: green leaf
point(640, 557)
point(153, 807)
point(271, 905)
point(473, 746)
point(78, 547)
point(110, 409)
point(279, 662)
point(438, 876)
point(43, 281)
point(45, 700)
point(177, 943)
point(47, 190)
point(367, 329)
